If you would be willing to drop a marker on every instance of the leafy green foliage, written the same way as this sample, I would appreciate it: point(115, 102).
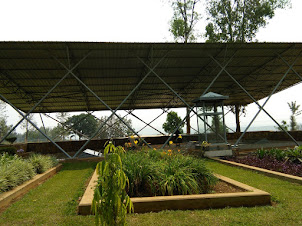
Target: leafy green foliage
point(278, 154)
point(172, 121)
point(239, 20)
point(184, 19)
point(293, 155)
point(111, 202)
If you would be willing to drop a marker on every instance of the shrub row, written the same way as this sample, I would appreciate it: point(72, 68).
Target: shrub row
point(15, 170)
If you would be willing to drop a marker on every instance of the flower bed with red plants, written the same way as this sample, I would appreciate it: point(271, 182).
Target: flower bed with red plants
point(284, 161)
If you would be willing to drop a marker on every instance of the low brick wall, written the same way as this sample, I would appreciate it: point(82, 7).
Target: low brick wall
point(73, 146)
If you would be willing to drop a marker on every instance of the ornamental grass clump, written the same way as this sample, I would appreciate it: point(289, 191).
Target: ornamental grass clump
point(140, 172)
point(155, 172)
point(42, 163)
point(14, 171)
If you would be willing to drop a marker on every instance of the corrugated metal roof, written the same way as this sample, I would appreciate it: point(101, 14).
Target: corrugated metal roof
point(28, 70)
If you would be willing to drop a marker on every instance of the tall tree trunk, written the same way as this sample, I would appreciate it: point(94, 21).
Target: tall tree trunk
point(237, 110)
point(188, 122)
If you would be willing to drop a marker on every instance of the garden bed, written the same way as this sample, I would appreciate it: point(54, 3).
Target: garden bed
point(282, 176)
point(7, 198)
point(238, 194)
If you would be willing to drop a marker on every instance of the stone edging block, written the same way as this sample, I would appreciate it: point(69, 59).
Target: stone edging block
point(270, 173)
point(7, 198)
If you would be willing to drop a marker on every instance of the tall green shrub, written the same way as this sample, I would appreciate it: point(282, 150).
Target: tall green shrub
point(111, 202)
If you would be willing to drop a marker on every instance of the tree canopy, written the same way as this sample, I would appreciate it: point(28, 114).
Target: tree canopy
point(184, 19)
point(172, 121)
point(114, 127)
point(84, 123)
point(239, 20)
point(294, 108)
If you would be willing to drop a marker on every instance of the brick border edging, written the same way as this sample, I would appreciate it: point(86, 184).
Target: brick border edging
point(9, 197)
point(270, 173)
point(252, 197)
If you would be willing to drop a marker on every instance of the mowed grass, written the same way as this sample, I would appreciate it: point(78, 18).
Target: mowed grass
point(54, 203)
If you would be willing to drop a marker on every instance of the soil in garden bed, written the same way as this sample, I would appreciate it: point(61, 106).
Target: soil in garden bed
point(220, 187)
point(223, 187)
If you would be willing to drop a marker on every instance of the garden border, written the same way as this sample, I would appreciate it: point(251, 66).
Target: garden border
point(252, 197)
point(9, 197)
point(270, 173)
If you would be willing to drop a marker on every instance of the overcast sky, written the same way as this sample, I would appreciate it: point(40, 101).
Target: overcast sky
point(134, 21)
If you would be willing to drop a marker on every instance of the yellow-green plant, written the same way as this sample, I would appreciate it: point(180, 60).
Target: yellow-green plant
point(111, 202)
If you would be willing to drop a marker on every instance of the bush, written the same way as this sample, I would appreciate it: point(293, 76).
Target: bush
point(42, 163)
point(9, 150)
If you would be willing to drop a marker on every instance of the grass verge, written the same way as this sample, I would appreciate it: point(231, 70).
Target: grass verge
point(55, 201)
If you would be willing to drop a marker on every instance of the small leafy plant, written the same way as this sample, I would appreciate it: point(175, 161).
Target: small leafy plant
point(111, 202)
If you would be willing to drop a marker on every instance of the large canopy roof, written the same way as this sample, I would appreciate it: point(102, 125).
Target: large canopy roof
point(28, 70)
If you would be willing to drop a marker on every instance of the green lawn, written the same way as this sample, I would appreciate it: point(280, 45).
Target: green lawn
point(54, 202)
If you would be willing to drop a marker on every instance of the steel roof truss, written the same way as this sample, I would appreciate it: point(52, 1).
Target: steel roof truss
point(24, 116)
point(114, 111)
point(255, 101)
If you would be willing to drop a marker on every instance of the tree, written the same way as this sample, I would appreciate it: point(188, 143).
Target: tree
point(172, 121)
point(4, 128)
point(114, 127)
point(239, 20)
point(2, 109)
point(284, 125)
point(60, 129)
point(184, 19)
point(182, 25)
point(84, 123)
point(27, 126)
point(294, 108)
